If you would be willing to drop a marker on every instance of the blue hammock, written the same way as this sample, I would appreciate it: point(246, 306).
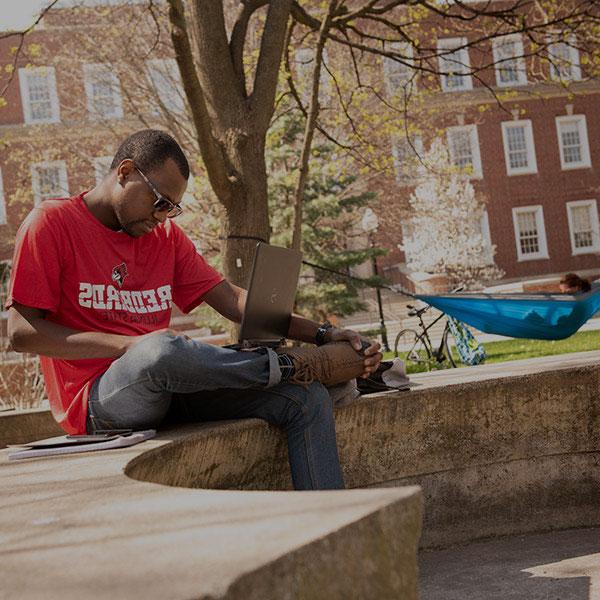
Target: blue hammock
point(533, 316)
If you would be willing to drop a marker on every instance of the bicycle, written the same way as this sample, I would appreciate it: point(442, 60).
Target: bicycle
point(419, 347)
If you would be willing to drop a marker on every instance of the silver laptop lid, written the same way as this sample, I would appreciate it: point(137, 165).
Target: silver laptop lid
point(271, 293)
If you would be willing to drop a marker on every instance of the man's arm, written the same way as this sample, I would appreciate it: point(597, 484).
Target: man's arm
point(29, 331)
point(230, 301)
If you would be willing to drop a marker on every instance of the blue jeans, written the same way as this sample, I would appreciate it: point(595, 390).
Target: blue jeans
point(167, 376)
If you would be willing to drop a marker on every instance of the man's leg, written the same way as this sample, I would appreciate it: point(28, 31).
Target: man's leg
point(305, 413)
point(135, 391)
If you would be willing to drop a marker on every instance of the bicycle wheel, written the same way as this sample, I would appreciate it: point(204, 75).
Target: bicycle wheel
point(447, 349)
point(410, 347)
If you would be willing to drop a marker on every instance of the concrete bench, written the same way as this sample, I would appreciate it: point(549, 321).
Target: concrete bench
point(496, 449)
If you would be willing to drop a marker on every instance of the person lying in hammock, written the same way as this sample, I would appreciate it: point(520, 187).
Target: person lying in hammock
point(571, 283)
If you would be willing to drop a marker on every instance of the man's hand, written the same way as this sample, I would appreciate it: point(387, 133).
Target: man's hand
point(372, 353)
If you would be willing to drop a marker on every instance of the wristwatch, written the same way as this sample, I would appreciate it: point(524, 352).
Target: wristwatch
point(322, 332)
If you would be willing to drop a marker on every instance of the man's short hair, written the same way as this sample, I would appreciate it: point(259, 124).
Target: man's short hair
point(572, 280)
point(149, 149)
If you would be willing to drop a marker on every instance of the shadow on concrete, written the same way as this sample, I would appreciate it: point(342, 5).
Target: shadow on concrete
point(563, 565)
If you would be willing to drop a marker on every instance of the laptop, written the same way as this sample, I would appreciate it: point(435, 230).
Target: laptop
point(271, 294)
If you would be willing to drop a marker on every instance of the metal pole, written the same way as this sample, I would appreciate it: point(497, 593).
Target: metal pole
point(384, 339)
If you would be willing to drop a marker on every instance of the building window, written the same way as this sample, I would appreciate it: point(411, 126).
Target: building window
point(530, 233)
point(49, 180)
point(564, 61)
point(454, 64)
point(405, 156)
point(38, 95)
point(166, 81)
point(103, 92)
point(398, 74)
point(583, 226)
point(573, 142)
point(304, 59)
point(519, 149)
point(509, 62)
point(463, 145)
point(3, 219)
point(101, 167)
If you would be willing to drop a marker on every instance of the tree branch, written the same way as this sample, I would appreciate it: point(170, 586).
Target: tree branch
point(269, 60)
point(238, 38)
point(185, 60)
point(309, 130)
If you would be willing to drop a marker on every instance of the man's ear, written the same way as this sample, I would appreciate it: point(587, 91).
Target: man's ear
point(124, 170)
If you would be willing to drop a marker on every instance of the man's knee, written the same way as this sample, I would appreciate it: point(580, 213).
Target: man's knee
point(311, 404)
point(159, 350)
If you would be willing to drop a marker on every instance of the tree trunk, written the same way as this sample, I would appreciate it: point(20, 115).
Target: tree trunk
point(246, 213)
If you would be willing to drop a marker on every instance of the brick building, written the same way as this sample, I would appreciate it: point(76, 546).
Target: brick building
point(534, 158)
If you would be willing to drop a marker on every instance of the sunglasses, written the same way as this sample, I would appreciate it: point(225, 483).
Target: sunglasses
point(162, 204)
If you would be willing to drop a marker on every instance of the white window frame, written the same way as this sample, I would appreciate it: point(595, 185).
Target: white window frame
point(101, 167)
point(398, 75)
point(586, 161)
point(62, 176)
point(90, 72)
point(477, 171)
point(518, 57)
point(530, 146)
point(573, 60)
point(541, 229)
point(3, 213)
point(463, 62)
point(303, 59)
point(417, 142)
point(50, 75)
point(159, 72)
point(595, 227)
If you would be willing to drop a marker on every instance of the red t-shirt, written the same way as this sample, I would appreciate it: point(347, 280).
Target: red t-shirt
point(91, 278)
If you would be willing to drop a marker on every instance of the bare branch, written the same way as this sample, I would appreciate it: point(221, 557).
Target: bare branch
point(269, 60)
point(191, 84)
point(309, 130)
point(21, 35)
point(238, 38)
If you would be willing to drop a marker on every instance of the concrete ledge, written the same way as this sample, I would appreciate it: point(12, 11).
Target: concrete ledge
point(76, 526)
point(497, 449)
point(500, 449)
point(18, 427)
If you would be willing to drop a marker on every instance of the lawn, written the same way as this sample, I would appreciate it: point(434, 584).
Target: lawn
point(518, 349)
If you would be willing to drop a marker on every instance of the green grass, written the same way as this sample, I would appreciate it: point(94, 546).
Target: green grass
point(519, 349)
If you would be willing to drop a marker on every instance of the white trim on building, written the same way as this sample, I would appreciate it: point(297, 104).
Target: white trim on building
point(519, 147)
point(103, 91)
point(564, 60)
point(405, 157)
point(101, 167)
point(584, 229)
point(463, 146)
point(573, 142)
point(530, 232)
point(49, 180)
point(166, 80)
point(38, 95)
point(509, 62)
point(454, 66)
point(397, 74)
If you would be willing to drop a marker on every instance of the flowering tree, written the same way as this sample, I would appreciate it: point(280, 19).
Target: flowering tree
point(445, 224)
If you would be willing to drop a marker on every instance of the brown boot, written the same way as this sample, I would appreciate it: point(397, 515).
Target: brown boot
point(330, 364)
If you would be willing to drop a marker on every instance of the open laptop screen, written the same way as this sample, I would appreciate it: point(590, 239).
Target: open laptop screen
point(271, 293)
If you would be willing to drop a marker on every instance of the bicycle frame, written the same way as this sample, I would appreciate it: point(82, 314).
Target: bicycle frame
point(425, 335)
